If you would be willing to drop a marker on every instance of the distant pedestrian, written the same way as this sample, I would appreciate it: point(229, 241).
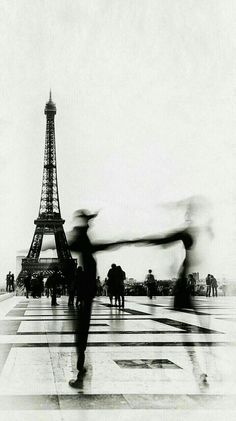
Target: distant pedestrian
point(150, 284)
point(27, 283)
point(120, 287)
point(8, 281)
point(52, 283)
point(208, 285)
point(112, 282)
point(98, 286)
point(214, 286)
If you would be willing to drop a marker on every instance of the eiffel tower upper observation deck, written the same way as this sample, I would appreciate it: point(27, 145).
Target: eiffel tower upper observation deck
point(49, 221)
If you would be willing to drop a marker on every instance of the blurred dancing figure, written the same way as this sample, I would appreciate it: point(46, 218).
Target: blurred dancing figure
point(86, 289)
point(188, 236)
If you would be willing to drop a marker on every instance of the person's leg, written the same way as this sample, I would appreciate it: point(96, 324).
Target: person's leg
point(81, 337)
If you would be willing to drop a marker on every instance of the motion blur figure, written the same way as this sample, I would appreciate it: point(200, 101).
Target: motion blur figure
point(80, 242)
point(188, 236)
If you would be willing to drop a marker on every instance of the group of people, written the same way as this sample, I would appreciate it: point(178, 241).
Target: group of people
point(115, 285)
point(34, 284)
point(152, 285)
point(211, 286)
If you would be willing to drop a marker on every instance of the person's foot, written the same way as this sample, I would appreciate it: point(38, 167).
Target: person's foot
point(77, 383)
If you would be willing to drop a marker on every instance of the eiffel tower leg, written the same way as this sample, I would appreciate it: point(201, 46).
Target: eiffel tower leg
point(36, 244)
point(61, 244)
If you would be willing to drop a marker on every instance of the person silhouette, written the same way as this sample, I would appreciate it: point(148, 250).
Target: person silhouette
point(188, 236)
point(80, 242)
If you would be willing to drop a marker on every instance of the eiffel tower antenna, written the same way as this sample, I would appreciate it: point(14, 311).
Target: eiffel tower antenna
point(49, 221)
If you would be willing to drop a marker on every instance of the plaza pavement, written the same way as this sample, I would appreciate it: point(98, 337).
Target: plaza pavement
point(141, 361)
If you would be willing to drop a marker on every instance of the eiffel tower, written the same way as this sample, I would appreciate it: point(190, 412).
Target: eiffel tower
point(49, 221)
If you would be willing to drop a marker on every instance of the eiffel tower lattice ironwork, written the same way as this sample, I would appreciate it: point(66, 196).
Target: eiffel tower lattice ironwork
point(49, 221)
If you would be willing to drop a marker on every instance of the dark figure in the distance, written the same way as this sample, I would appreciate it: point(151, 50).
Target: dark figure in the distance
point(192, 284)
point(8, 281)
point(208, 285)
point(27, 283)
point(112, 282)
point(214, 286)
point(120, 275)
point(150, 284)
point(53, 282)
point(99, 286)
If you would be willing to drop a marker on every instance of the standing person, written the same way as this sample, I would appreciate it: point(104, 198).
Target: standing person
point(12, 282)
point(8, 281)
point(121, 276)
point(111, 283)
point(150, 283)
point(27, 283)
point(208, 285)
point(52, 283)
point(214, 286)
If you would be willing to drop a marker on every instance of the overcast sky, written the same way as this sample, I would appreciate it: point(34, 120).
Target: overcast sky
point(146, 114)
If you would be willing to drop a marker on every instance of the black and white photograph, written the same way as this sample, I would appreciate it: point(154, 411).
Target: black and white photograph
point(118, 210)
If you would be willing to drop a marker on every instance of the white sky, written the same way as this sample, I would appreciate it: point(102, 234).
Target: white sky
point(146, 114)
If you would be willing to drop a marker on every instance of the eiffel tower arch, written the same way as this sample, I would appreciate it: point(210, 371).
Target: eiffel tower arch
point(49, 221)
